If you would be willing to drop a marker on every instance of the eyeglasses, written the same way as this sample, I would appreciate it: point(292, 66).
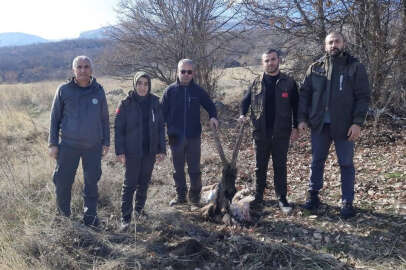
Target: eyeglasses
point(186, 71)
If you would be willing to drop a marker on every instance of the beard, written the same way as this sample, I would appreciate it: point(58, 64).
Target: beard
point(335, 52)
point(273, 69)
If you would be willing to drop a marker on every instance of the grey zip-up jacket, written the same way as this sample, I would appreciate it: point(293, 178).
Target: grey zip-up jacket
point(79, 116)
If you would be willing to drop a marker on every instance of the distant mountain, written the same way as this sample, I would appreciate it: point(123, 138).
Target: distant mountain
point(48, 61)
point(101, 33)
point(19, 39)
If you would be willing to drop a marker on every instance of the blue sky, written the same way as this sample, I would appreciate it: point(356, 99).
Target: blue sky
point(56, 19)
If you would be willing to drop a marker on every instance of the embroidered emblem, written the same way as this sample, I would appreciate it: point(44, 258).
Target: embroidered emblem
point(285, 95)
point(95, 101)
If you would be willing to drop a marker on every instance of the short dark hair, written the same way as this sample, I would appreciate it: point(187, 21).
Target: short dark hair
point(269, 51)
point(335, 33)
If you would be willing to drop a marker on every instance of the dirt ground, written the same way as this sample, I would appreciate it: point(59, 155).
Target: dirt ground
point(178, 237)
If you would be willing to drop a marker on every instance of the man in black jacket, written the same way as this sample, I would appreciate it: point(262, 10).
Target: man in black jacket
point(181, 109)
point(79, 129)
point(334, 100)
point(139, 141)
point(273, 98)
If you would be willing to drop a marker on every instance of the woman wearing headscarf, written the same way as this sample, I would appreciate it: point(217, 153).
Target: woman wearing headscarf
point(139, 142)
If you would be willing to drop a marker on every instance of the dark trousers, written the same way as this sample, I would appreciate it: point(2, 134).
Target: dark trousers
point(345, 152)
point(278, 148)
point(138, 173)
point(187, 149)
point(64, 176)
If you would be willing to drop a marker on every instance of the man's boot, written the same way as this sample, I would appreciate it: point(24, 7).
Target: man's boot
point(179, 199)
point(347, 210)
point(312, 201)
point(258, 202)
point(285, 207)
point(194, 197)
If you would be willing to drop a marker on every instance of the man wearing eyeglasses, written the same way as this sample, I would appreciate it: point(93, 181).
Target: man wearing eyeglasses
point(273, 99)
point(181, 108)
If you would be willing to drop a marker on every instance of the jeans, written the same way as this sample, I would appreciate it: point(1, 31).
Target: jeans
point(345, 152)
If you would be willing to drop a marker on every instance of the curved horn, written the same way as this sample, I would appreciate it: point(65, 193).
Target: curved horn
point(218, 145)
point(238, 144)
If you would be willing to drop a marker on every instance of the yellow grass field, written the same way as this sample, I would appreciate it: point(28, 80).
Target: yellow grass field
point(32, 238)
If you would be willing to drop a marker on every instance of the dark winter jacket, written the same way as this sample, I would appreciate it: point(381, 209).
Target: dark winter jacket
point(79, 116)
point(181, 109)
point(286, 102)
point(345, 96)
point(128, 127)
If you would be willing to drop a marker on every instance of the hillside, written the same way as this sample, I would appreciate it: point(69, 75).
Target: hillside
point(19, 39)
point(47, 61)
point(179, 238)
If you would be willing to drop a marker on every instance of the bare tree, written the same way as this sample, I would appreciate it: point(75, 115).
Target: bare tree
point(300, 25)
point(377, 37)
point(153, 35)
point(376, 31)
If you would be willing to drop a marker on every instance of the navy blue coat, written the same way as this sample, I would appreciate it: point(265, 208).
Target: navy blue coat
point(181, 109)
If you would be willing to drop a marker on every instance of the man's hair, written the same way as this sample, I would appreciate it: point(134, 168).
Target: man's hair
point(335, 33)
point(186, 61)
point(269, 51)
point(81, 57)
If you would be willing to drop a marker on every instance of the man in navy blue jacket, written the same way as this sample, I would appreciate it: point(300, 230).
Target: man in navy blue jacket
point(181, 109)
point(79, 129)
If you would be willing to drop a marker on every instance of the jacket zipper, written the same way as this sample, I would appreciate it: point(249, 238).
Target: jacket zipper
point(184, 115)
point(341, 82)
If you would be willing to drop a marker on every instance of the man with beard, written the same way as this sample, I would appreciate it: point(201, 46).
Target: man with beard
point(334, 101)
point(273, 99)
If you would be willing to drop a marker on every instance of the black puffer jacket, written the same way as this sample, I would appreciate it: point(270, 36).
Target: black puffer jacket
point(348, 98)
point(128, 128)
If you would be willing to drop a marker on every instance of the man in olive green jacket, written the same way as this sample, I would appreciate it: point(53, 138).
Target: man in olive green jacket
point(334, 100)
point(273, 99)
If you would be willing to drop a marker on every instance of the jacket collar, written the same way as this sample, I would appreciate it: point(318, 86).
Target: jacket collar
point(92, 80)
point(282, 76)
point(349, 59)
point(192, 82)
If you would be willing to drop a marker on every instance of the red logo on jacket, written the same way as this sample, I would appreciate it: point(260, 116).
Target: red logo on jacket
point(285, 94)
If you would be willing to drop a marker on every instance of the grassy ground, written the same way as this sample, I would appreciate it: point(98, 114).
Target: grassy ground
point(178, 238)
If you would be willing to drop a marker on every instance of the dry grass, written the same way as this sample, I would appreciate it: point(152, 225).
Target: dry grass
point(31, 237)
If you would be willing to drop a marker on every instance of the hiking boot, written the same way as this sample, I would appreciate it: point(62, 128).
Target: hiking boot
point(177, 201)
point(194, 198)
point(285, 207)
point(312, 201)
point(125, 225)
point(91, 221)
point(140, 215)
point(347, 210)
point(257, 204)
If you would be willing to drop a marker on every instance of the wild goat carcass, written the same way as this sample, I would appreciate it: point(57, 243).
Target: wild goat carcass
point(224, 191)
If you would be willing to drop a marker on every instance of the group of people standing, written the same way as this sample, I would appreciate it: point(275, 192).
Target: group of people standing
point(332, 100)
